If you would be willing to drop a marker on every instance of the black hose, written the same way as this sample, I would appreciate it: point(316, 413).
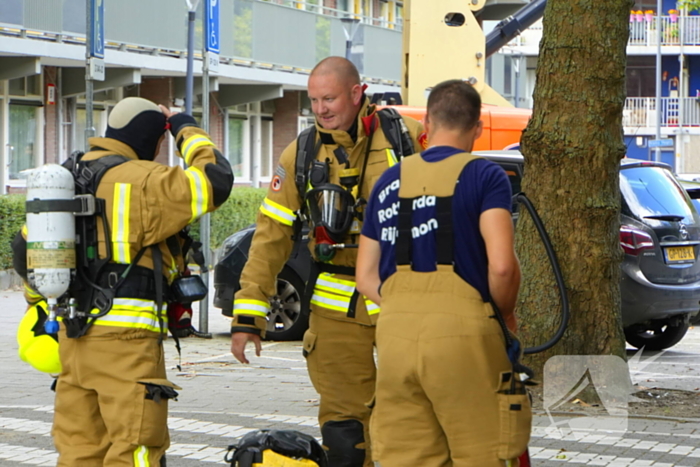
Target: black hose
point(564, 297)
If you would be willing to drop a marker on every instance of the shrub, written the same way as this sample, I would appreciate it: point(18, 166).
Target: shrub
point(237, 212)
point(11, 220)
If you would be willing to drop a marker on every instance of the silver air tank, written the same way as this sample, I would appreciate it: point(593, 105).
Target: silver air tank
point(50, 237)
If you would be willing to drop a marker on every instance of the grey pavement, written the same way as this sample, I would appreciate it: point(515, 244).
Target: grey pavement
point(221, 400)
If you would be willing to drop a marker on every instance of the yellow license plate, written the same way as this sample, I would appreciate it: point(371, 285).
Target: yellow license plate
point(680, 253)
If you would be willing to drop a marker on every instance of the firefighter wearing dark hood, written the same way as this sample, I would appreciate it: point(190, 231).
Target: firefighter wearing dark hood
point(351, 152)
point(112, 393)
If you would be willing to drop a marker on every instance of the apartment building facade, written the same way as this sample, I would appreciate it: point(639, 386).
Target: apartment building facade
point(258, 102)
point(679, 109)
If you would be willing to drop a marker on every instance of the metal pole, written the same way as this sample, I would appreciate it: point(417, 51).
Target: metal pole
point(89, 85)
point(189, 79)
point(657, 150)
point(348, 49)
point(517, 80)
point(680, 147)
point(204, 222)
point(256, 143)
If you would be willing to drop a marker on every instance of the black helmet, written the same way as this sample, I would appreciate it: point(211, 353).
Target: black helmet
point(138, 123)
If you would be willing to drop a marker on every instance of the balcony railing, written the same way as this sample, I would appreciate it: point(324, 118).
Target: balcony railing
point(673, 28)
point(675, 111)
point(642, 32)
point(291, 36)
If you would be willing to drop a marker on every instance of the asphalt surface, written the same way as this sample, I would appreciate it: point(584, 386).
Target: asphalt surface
point(222, 400)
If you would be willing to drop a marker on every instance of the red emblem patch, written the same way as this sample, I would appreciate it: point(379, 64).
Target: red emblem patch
point(276, 183)
point(423, 140)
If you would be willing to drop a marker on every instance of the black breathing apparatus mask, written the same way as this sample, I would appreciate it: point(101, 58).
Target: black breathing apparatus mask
point(332, 209)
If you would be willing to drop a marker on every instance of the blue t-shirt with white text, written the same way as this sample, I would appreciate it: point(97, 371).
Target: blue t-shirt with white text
point(482, 185)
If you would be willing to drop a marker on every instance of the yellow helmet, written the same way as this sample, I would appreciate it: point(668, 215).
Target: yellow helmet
point(36, 347)
point(272, 459)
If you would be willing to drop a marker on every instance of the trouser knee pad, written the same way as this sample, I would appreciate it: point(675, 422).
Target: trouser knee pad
point(341, 439)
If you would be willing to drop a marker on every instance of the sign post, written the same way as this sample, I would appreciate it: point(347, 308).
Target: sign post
point(211, 64)
point(94, 60)
point(211, 32)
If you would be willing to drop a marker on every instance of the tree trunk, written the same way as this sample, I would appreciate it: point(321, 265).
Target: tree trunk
point(572, 147)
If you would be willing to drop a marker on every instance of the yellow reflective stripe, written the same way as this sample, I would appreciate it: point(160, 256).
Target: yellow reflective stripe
point(199, 192)
point(391, 158)
point(133, 320)
point(134, 304)
point(251, 307)
point(141, 457)
point(331, 301)
point(133, 313)
point(24, 230)
point(121, 209)
point(31, 292)
point(372, 308)
point(329, 283)
point(191, 145)
point(277, 212)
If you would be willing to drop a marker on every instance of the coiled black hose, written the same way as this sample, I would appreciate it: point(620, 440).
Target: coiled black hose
point(564, 297)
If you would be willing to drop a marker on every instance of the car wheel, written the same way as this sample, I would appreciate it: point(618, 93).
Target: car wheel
point(287, 321)
point(657, 335)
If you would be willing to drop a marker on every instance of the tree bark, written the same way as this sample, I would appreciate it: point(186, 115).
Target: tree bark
point(572, 148)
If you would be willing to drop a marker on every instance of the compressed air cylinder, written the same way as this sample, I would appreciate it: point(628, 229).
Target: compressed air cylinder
point(50, 235)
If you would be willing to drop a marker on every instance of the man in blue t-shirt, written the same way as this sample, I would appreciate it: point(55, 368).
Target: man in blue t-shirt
point(437, 254)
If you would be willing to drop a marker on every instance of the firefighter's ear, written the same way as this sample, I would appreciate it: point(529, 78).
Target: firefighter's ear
point(479, 130)
point(356, 94)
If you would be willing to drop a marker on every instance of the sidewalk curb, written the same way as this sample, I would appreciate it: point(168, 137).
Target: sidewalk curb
point(9, 279)
point(541, 413)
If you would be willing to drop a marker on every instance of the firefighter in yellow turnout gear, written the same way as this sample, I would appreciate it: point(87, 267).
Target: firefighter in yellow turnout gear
point(447, 393)
point(112, 393)
point(340, 340)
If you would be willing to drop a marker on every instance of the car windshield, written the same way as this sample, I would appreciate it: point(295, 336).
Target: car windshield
point(648, 192)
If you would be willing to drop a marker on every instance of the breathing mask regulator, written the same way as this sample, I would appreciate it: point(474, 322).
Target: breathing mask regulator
point(333, 210)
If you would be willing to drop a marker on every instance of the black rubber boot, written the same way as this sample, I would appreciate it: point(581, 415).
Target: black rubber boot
point(341, 439)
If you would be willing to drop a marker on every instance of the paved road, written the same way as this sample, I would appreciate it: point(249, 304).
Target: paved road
point(221, 400)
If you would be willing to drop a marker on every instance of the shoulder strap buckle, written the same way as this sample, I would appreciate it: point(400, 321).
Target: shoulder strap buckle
point(88, 206)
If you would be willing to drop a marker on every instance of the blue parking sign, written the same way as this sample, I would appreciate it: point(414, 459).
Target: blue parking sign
point(211, 26)
point(97, 42)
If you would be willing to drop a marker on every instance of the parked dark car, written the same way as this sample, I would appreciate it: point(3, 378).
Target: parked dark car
point(660, 235)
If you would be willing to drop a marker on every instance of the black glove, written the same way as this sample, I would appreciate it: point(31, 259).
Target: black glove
point(180, 121)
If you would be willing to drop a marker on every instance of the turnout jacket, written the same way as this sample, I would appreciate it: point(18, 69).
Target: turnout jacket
point(148, 202)
point(272, 242)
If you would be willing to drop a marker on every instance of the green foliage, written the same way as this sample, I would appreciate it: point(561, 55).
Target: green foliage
point(692, 5)
point(323, 37)
point(237, 212)
point(243, 27)
point(11, 220)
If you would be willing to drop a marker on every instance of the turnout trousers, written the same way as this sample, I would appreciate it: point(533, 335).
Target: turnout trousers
point(340, 360)
point(102, 414)
point(441, 361)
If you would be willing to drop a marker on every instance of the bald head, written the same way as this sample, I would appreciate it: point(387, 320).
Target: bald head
point(341, 67)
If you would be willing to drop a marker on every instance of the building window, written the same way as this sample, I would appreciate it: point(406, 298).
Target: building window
point(23, 147)
point(236, 150)
point(398, 15)
point(641, 76)
point(266, 148)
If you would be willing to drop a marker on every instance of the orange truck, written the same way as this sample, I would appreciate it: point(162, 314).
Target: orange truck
point(503, 126)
